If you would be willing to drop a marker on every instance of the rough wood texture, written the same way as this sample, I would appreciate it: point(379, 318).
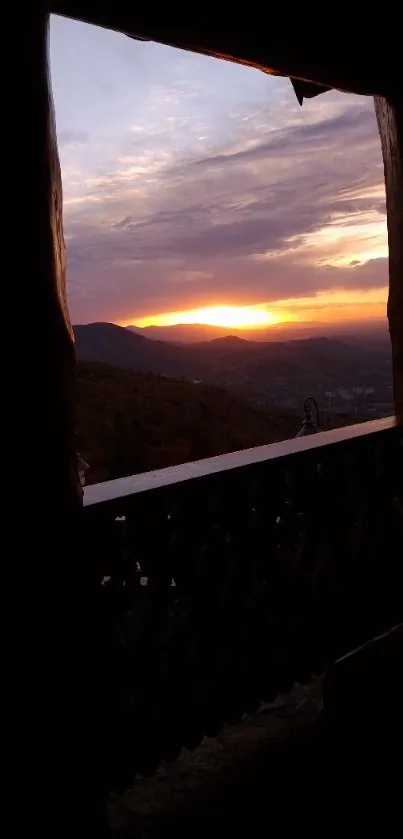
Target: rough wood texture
point(390, 123)
point(45, 454)
point(301, 44)
point(49, 617)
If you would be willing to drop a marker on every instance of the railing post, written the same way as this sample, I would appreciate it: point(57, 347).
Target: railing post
point(389, 114)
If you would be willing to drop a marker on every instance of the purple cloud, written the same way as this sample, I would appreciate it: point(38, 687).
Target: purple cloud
point(204, 196)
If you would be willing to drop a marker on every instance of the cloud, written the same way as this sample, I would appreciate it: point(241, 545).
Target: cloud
point(72, 138)
point(286, 211)
point(298, 139)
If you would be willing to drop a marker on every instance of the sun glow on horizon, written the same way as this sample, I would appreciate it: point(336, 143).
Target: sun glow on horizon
point(325, 307)
point(233, 317)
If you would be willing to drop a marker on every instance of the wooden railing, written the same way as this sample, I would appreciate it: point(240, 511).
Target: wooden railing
point(223, 582)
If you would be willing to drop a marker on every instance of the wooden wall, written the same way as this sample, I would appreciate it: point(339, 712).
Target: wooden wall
point(390, 122)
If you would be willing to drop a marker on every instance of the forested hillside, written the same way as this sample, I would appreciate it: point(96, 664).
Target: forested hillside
point(131, 422)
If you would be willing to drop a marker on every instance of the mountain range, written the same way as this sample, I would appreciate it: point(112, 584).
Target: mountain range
point(250, 367)
point(193, 333)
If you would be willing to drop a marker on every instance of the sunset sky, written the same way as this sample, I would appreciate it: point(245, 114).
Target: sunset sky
point(196, 190)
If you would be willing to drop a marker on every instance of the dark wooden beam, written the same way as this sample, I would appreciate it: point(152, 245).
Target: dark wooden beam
point(390, 122)
point(304, 46)
point(49, 740)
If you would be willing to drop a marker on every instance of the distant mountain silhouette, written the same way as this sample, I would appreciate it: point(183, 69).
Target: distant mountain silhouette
point(229, 341)
point(184, 333)
point(111, 344)
point(231, 362)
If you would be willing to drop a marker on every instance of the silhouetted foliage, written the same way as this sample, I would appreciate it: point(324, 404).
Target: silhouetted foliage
point(131, 422)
